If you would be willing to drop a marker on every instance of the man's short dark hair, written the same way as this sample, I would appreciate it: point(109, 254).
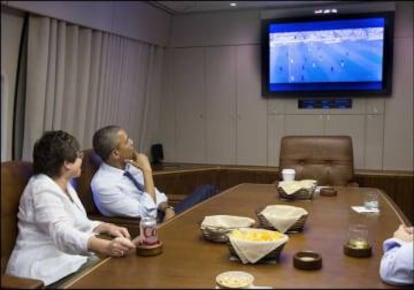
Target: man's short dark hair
point(51, 150)
point(105, 140)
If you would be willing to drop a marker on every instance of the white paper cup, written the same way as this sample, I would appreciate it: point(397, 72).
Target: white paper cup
point(288, 174)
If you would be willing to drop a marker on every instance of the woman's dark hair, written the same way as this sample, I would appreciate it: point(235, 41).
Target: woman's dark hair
point(51, 150)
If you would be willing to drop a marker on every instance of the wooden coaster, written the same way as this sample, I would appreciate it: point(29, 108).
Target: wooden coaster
point(153, 250)
point(307, 260)
point(328, 191)
point(357, 252)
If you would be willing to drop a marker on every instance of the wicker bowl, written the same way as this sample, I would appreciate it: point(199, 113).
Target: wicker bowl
point(296, 227)
point(301, 194)
point(216, 234)
point(272, 256)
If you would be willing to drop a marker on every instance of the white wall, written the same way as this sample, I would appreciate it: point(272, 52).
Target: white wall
point(381, 127)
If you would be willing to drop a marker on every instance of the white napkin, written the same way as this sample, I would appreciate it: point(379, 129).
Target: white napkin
point(227, 221)
point(362, 209)
point(282, 217)
point(252, 251)
point(290, 187)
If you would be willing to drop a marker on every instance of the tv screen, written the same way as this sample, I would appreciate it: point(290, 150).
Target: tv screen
point(328, 55)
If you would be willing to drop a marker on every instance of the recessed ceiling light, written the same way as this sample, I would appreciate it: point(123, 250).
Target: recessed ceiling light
point(233, 4)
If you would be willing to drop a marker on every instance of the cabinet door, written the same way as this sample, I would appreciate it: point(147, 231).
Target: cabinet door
point(351, 125)
point(189, 92)
point(304, 124)
point(374, 141)
point(275, 132)
point(251, 108)
point(221, 104)
point(167, 109)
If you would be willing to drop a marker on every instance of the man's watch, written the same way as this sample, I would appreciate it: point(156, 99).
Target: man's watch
point(171, 207)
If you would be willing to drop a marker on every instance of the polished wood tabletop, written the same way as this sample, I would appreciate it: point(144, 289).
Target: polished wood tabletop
point(189, 261)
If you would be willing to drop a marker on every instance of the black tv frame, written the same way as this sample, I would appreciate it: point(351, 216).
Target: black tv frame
point(386, 89)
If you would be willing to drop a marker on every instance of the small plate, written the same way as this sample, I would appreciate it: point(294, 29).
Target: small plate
point(234, 280)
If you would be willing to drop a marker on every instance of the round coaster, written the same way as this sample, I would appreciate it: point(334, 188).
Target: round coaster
point(153, 250)
point(307, 260)
point(357, 252)
point(328, 191)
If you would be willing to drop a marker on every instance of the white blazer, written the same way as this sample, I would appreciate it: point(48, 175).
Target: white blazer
point(53, 232)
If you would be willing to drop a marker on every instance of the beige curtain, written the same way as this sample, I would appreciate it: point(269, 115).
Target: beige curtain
point(79, 80)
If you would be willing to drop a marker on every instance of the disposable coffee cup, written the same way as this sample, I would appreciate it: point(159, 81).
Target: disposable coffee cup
point(288, 174)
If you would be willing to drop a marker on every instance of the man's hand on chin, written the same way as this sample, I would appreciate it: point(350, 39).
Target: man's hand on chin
point(141, 161)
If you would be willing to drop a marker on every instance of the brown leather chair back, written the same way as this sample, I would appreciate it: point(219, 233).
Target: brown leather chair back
point(90, 164)
point(14, 177)
point(327, 159)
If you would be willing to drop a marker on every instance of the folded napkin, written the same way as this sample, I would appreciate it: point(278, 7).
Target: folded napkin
point(251, 251)
point(363, 209)
point(290, 187)
point(226, 221)
point(282, 217)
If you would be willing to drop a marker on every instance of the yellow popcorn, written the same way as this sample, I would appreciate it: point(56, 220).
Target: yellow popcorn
point(257, 235)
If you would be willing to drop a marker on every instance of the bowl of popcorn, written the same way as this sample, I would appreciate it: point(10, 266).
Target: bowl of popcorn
point(252, 245)
point(234, 280)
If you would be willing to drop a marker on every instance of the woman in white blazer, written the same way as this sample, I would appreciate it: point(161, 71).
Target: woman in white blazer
point(55, 237)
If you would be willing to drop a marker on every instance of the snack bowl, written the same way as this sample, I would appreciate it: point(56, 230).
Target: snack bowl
point(301, 194)
point(257, 239)
point(305, 192)
point(234, 280)
point(296, 227)
point(218, 234)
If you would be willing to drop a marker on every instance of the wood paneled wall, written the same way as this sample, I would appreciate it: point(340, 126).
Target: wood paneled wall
point(179, 183)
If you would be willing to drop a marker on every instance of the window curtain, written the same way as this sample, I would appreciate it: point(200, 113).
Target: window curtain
point(79, 80)
point(20, 95)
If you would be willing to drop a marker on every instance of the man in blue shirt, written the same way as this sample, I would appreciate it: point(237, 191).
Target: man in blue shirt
point(397, 264)
point(124, 186)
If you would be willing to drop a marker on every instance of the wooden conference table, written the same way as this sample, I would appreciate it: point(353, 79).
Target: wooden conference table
point(189, 261)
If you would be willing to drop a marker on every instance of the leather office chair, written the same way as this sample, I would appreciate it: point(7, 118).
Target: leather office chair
point(14, 177)
point(327, 159)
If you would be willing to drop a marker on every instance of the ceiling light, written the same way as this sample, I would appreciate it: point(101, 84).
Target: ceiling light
point(233, 4)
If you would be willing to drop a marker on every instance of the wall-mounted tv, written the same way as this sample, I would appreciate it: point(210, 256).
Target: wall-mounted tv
point(328, 55)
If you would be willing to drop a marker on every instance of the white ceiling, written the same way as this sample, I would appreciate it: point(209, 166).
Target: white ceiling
point(181, 7)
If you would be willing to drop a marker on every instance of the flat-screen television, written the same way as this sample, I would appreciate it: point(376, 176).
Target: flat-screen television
point(328, 55)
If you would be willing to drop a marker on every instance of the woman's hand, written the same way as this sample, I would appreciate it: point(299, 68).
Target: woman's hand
point(119, 247)
point(113, 230)
point(168, 213)
point(404, 233)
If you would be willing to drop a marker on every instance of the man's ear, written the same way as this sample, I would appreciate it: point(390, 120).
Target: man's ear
point(115, 155)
